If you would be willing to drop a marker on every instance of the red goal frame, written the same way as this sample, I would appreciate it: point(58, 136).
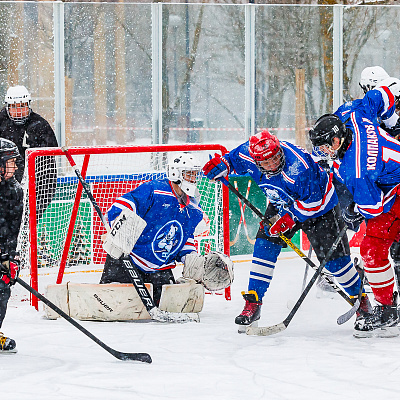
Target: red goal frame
point(32, 154)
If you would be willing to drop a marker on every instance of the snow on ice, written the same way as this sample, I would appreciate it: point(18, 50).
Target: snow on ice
point(313, 358)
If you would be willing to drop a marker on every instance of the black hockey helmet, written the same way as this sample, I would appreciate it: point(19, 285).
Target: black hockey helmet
point(8, 150)
point(326, 128)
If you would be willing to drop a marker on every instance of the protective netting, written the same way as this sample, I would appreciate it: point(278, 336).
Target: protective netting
point(60, 200)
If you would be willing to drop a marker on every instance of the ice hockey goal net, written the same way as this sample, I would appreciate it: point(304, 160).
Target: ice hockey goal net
point(60, 227)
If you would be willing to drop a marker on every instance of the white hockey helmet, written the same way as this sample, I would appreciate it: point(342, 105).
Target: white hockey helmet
point(18, 95)
point(371, 77)
point(181, 168)
point(393, 84)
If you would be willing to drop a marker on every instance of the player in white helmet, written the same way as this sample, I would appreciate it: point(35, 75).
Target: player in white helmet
point(18, 104)
point(161, 217)
point(27, 129)
point(371, 77)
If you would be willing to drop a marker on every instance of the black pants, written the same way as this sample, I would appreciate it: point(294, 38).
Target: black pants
point(5, 293)
point(114, 271)
point(321, 232)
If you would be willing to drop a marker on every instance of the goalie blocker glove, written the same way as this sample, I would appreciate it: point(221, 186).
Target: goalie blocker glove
point(214, 270)
point(124, 233)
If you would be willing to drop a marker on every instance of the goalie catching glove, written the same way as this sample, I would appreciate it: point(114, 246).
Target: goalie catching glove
point(214, 270)
point(124, 233)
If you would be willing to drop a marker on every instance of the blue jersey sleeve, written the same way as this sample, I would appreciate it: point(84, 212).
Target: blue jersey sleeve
point(138, 200)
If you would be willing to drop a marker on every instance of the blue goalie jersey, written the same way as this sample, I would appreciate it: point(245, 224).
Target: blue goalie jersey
point(303, 188)
point(169, 234)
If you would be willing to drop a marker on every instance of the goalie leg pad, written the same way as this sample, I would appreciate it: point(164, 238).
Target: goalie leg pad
point(102, 302)
point(124, 233)
point(185, 297)
point(193, 267)
point(218, 271)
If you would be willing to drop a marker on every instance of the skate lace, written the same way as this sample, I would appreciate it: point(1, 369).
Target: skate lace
point(249, 309)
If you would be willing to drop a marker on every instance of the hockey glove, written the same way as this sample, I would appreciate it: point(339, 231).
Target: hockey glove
point(9, 268)
point(282, 225)
point(216, 168)
point(394, 131)
point(352, 218)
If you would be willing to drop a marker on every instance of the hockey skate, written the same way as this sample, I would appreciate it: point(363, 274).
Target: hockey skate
point(7, 345)
point(381, 322)
point(324, 290)
point(251, 312)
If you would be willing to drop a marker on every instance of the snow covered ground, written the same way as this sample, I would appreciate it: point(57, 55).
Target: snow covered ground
point(313, 358)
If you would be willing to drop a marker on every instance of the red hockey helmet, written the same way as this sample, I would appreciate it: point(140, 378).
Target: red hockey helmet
point(266, 151)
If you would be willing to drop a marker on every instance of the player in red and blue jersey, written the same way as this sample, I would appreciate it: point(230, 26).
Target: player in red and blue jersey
point(367, 160)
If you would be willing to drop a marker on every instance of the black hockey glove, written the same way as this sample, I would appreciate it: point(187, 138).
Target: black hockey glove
point(352, 218)
point(9, 268)
point(393, 131)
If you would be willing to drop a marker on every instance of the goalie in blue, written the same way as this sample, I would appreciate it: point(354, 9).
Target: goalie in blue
point(155, 225)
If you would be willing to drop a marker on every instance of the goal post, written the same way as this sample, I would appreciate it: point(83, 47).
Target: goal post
point(59, 227)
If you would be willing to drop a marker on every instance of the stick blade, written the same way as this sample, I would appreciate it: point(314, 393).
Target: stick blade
point(141, 357)
point(347, 315)
point(172, 317)
point(265, 330)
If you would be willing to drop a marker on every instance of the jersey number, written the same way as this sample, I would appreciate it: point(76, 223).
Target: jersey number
point(390, 154)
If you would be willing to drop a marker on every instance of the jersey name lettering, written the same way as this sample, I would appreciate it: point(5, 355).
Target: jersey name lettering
point(372, 147)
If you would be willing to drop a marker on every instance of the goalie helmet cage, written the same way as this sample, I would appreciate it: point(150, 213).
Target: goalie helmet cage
point(59, 226)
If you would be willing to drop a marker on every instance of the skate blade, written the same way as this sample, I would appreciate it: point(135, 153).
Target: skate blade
point(13, 351)
point(363, 334)
point(242, 328)
point(388, 332)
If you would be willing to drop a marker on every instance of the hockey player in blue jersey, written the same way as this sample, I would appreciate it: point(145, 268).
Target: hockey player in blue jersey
point(301, 196)
point(162, 216)
point(367, 160)
point(384, 90)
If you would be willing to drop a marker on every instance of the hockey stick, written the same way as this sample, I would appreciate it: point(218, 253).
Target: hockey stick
point(306, 270)
point(271, 330)
point(346, 316)
point(241, 214)
point(142, 357)
point(136, 279)
point(288, 241)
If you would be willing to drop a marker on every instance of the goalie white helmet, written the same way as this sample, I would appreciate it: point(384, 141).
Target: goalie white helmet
point(18, 104)
point(184, 170)
point(371, 77)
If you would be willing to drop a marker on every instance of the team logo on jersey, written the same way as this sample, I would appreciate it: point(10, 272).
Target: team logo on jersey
point(294, 169)
point(168, 240)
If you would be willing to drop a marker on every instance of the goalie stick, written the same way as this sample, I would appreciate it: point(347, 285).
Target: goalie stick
point(271, 330)
point(136, 279)
point(142, 357)
point(326, 276)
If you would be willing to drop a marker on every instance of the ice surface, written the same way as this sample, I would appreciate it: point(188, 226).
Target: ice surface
point(313, 358)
